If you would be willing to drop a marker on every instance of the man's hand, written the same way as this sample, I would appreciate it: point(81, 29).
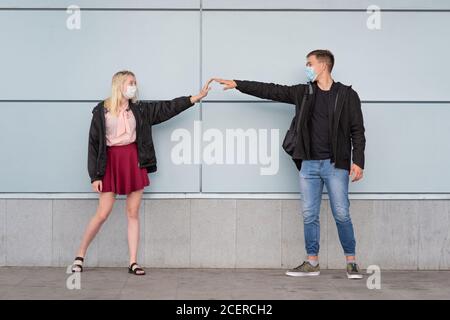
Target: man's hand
point(357, 172)
point(227, 84)
point(203, 93)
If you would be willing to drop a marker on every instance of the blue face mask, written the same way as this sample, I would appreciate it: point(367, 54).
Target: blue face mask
point(311, 75)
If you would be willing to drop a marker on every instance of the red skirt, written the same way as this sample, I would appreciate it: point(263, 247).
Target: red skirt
point(123, 174)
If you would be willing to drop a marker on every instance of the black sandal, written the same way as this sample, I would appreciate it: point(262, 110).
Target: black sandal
point(136, 270)
point(78, 265)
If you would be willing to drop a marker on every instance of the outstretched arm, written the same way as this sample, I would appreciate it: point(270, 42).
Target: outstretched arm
point(160, 111)
point(270, 91)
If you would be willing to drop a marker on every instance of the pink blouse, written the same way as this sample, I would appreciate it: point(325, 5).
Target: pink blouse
point(120, 130)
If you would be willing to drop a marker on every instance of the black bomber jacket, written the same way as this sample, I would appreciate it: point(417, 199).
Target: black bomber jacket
point(147, 114)
point(346, 122)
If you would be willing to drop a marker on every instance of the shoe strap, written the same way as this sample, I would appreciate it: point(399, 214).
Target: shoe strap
point(135, 264)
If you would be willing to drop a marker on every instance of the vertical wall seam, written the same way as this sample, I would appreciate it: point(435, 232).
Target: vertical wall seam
point(97, 244)
point(142, 225)
point(281, 232)
point(145, 232)
point(327, 214)
point(189, 208)
point(200, 86)
point(235, 232)
point(52, 258)
point(417, 209)
point(6, 232)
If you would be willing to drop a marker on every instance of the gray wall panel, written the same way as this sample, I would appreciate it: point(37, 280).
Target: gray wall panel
point(45, 60)
point(234, 177)
point(324, 4)
point(406, 149)
point(184, 4)
point(45, 149)
point(393, 63)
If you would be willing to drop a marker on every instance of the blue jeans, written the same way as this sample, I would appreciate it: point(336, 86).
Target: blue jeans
point(313, 175)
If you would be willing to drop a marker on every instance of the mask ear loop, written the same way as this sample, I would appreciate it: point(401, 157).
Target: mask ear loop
point(323, 70)
point(317, 74)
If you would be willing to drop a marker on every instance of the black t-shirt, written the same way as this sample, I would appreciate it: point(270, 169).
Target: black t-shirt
point(319, 129)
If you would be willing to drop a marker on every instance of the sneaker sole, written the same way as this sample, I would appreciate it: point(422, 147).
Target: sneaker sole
point(354, 276)
point(302, 274)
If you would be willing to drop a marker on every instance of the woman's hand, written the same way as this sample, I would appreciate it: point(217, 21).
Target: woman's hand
point(97, 186)
point(203, 93)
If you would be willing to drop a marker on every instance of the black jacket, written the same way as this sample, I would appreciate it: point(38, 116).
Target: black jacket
point(146, 115)
point(346, 123)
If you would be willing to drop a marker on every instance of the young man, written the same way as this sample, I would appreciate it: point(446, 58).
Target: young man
point(328, 122)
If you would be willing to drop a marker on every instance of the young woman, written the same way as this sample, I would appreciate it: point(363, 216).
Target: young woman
point(121, 154)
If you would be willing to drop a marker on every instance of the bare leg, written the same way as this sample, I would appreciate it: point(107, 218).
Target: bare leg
point(133, 205)
point(105, 205)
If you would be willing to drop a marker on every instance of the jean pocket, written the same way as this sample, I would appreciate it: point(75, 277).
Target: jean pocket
point(305, 170)
point(340, 172)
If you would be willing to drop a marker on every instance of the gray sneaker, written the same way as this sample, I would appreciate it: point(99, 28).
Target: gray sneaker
point(353, 271)
point(304, 270)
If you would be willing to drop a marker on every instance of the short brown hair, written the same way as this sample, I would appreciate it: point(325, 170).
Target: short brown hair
point(324, 56)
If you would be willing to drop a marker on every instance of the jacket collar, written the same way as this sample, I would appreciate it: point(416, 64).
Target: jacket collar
point(97, 107)
point(101, 104)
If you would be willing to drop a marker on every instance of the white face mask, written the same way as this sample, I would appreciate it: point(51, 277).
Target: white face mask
point(130, 92)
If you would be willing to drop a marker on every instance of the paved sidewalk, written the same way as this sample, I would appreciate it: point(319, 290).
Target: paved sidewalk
point(116, 283)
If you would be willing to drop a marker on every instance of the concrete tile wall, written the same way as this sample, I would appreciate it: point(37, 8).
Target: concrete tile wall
point(434, 235)
point(225, 233)
point(29, 232)
point(2, 232)
point(70, 218)
point(258, 234)
point(386, 233)
point(213, 233)
point(168, 233)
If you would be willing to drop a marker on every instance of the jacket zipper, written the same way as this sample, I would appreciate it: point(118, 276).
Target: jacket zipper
point(102, 117)
point(335, 102)
point(306, 142)
point(137, 131)
point(335, 144)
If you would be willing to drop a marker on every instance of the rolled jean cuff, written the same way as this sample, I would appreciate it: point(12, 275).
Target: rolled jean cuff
point(349, 254)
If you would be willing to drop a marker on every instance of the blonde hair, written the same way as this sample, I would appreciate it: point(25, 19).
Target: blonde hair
point(113, 102)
